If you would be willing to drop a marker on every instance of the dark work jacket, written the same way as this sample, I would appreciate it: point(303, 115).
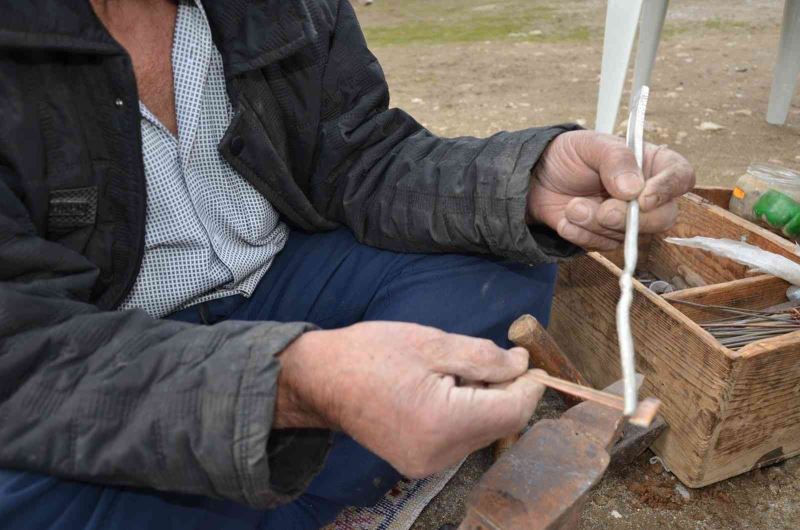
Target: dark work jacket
point(117, 397)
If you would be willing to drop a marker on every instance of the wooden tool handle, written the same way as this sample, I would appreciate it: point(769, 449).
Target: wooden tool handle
point(562, 376)
point(544, 353)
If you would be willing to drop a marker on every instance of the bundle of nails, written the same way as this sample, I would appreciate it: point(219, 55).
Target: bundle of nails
point(746, 326)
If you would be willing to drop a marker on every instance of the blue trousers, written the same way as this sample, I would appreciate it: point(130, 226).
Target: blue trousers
point(333, 281)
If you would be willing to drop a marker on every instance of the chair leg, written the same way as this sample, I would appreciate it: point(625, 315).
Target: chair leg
point(653, 14)
point(622, 18)
point(785, 77)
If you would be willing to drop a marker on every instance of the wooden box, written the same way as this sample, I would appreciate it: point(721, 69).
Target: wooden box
point(728, 411)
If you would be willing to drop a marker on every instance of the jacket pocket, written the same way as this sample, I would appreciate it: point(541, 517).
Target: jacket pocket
point(71, 215)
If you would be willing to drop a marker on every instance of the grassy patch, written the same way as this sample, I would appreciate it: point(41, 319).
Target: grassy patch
point(727, 25)
point(446, 21)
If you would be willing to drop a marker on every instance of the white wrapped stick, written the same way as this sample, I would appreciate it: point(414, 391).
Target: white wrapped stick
point(635, 138)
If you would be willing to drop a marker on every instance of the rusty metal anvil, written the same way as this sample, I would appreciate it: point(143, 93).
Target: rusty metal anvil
point(543, 480)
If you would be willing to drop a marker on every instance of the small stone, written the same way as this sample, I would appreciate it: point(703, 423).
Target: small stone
point(709, 126)
point(536, 32)
point(741, 112)
point(683, 492)
point(417, 101)
point(581, 122)
point(615, 514)
point(740, 69)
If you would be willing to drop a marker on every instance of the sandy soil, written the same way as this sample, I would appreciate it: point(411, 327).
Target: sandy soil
point(474, 67)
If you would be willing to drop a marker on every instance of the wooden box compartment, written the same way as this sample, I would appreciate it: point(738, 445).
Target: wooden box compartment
point(728, 411)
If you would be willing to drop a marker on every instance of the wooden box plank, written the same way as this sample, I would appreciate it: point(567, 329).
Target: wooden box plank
point(760, 424)
point(758, 292)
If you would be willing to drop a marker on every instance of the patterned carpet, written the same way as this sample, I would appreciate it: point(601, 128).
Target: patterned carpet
point(399, 508)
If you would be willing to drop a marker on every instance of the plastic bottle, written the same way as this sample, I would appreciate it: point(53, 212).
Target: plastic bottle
point(770, 187)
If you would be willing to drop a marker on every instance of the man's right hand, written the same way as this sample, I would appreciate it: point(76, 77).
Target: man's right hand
point(418, 397)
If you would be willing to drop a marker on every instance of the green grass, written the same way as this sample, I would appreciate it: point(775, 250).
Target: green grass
point(713, 24)
point(447, 21)
point(727, 25)
point(404, 22)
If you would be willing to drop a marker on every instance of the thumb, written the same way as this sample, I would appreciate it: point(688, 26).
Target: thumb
point(511, 404)
point(611, 159)
point(478, 360)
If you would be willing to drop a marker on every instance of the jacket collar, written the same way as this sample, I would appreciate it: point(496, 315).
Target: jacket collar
point(248, 33)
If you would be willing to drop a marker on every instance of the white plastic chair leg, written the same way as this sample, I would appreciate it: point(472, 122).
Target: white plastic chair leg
point(654, 12)
point(784, 80)
point(622, 18)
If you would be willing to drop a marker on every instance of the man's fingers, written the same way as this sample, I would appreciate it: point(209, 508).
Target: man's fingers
point(477, 359)
point(584, 238)
point(612, 213)
point(513, 403)
point(585, 212)
point(673, 176)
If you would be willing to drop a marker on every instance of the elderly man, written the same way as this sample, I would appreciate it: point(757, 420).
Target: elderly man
point(224, 258)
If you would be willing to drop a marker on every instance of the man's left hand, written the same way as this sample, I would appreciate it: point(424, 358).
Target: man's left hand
point(582, 183)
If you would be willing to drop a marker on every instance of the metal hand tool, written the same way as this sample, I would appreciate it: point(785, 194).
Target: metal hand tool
point(543, 481)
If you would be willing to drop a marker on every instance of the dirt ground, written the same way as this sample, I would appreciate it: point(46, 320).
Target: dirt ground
point(474, 67)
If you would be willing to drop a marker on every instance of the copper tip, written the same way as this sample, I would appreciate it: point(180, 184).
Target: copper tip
point(645, 413)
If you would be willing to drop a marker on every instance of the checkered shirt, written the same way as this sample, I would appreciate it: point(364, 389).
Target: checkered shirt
point(208, 233)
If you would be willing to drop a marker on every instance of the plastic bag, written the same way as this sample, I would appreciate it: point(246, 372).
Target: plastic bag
point(750, 255)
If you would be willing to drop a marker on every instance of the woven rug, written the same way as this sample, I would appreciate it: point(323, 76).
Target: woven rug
point(399, 508)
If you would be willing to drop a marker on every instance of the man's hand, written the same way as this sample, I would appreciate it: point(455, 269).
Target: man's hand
point(584, 179)
point(420, 398)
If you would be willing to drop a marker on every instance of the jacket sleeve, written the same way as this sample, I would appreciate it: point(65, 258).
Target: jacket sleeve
point(398, 186)
point(121, 398)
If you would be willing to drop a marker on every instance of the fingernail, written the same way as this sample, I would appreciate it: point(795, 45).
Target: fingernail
point(629, 183)
point(615, 219)
point(580, 213)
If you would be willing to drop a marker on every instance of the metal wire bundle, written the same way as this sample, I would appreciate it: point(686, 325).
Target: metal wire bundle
point(746, 326)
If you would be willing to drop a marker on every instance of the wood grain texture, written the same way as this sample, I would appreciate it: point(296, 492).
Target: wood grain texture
point(760, 424)
point(758, 292)
point(716, 195)
point(696, 266)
